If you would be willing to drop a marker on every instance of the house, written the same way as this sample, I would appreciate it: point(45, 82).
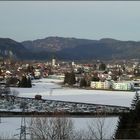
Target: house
point(126, 86)
point(100, 85)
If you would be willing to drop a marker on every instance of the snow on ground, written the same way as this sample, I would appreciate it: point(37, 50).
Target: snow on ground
point(50, 90)
point(11, 126)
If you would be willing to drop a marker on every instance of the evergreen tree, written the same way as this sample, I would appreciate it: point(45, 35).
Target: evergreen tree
point(95, 78)
point(135, 100)
point(25, 82)
point(0, 71)
point(12, 80)
point(69, 78)
point(122, 127)
point(30, 69)
point(136, 72)
point(102, 67)
point(94, 66)
point(66, 79)
point(129, 124)
point(72, 79)
point(29, 84)
point(83, 82)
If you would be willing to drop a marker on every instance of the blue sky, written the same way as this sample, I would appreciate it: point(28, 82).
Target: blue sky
point(29, 20)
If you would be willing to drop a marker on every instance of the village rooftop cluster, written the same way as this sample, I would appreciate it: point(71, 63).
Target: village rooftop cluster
point(107, 75)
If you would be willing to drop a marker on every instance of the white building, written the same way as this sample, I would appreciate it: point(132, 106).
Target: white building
point(53, 62)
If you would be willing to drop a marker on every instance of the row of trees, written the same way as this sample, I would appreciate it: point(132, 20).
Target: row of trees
point(63, 129)
point(71, 80)
point(14, 81)
point(51, 129)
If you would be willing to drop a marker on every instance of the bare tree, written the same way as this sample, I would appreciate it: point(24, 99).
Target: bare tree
point(99, 129)
point(96, 129)
point(4, 136)
point(64, 128)
point(51, 129)
point(80, 135)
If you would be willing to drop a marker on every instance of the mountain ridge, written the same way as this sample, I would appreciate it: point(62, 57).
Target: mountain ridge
point(71, 48)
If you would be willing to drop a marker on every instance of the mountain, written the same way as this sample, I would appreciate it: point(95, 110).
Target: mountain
point(11, 48)
point(70, 49)
point(53, 44)
point(103, 49)
point(80, 49)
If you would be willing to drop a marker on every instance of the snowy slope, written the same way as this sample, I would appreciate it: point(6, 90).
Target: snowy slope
point(53, 91)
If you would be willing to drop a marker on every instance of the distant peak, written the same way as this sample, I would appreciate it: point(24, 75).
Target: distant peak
point(109, 40)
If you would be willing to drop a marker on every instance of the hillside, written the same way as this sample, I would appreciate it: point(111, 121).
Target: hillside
point(11, 48)
point(103, 49)
point(72, 48)
point(53, 44)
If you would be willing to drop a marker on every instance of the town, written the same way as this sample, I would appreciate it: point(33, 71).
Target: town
point(69, 70)
point(98, 75)
point(106, 75)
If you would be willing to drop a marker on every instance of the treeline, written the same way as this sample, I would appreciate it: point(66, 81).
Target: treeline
point(24, 81)
point(70, 79)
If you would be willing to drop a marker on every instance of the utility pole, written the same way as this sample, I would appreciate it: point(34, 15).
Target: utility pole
point(23, 129)
point(23, 124)
point(22, 135)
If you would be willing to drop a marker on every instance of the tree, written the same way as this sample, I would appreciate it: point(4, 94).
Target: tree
point(12, 81)
point(97, 129)
point(66, 79)
point(30, 69)
point(72, 80)
point(129, 124)
point(51, 129)
point(94, 66)
point(25, 82)
point(29, 83)
point(95, 78)
point(64, 128)
point(136, 72)
point(4, 90)
point(80, 135)
point(83, 82)
point(135, 100)
point(121, 127)
point(0, 71)
point(5, 136)
point(102, 67)
point(69, 78)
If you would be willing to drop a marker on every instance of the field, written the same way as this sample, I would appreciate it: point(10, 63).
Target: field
point(50, 89)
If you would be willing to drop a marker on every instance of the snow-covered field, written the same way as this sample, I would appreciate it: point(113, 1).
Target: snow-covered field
point(49, 89)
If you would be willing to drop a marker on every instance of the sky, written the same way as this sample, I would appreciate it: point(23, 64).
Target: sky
point(30, 20)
